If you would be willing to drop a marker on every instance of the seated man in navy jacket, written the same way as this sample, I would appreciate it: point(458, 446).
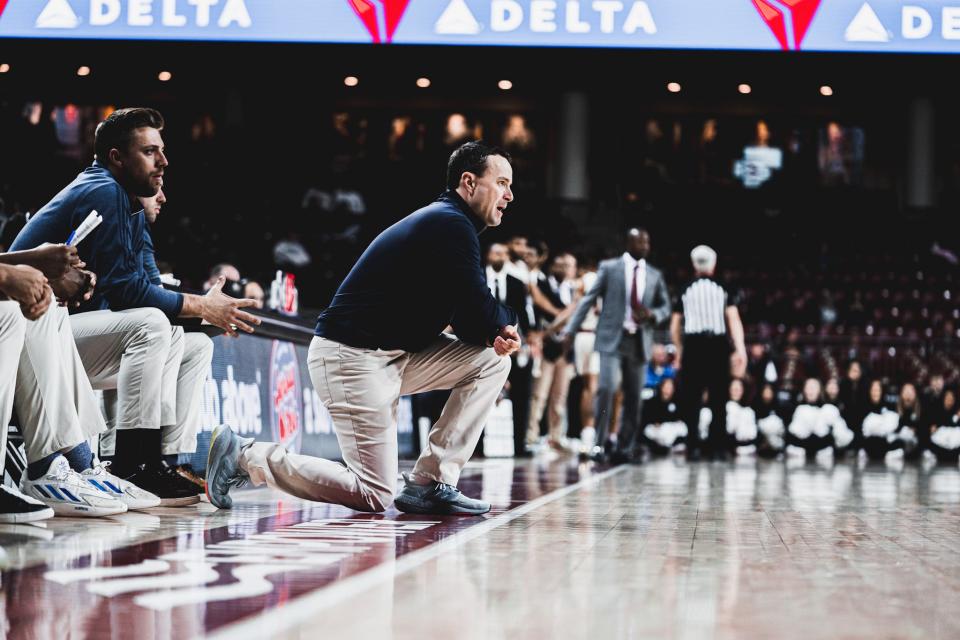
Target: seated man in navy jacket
point(123, 333)
point(181, 388)
point(381, 338)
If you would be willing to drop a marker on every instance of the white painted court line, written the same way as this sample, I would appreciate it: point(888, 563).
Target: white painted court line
point(276, 621)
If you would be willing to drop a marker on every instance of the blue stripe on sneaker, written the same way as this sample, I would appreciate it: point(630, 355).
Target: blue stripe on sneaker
point(41, 491)
point(70, 495)
point(97, 485)
point(56, 494)
point(101, 487)
point(113, 486)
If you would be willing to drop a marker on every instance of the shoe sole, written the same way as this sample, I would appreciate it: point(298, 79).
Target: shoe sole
point(412, 505)
point(142, 507)
point(71, 510)
point(79, 510)
point(211, 471)
point(179, 502)
point(213, 441)
point(31, 516)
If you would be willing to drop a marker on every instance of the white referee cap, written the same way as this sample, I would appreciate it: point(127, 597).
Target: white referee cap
point(704, 258)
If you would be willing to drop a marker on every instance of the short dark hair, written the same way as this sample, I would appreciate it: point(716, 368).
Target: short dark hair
point(472, 157)
point(116, 131)
point(218, 269)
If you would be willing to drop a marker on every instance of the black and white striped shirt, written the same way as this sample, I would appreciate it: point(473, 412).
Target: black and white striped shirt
point(704, 303)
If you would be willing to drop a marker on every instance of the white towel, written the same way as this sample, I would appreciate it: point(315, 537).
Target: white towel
point(667, 433)
point(805, 422)
point(810, 420)
point(908, 437)
point(706, 417)
point(881, 425)
point(842, 434)
point(772, 428)
point(741, 422)
point(946, 437)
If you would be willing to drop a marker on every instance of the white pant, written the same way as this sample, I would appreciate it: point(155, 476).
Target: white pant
point(360, 388)
point(54, 401)
point(128, 351)
point(586, 361)
point(550, 392)
point(184, 374)
point(12, 328)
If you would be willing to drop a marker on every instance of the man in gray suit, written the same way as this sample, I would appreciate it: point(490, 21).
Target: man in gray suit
point(635, 300)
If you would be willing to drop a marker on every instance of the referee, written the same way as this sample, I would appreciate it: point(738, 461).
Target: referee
point(705, 315)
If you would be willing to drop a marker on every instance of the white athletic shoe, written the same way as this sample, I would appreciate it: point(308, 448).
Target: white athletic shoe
point(69, 494)
point(587, 437)
point(130, 494)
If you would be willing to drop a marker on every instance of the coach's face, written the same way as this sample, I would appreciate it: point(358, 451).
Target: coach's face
point(141, 164)
point(489, 194)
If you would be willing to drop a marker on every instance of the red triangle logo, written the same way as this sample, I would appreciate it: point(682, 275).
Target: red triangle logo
point(778, 13)
point(3, 5)
point(369, 10)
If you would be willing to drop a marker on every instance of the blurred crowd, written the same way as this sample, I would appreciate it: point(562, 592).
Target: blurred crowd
point(799, 393)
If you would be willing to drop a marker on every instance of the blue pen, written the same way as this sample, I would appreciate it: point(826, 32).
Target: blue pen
point(91, 222)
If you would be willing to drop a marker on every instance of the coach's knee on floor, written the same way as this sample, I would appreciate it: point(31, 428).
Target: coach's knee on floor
point(375, 500)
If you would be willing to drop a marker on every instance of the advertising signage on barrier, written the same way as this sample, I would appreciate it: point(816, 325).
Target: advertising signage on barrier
point(928, 26)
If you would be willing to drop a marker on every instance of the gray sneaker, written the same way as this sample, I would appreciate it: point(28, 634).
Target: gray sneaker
point(437, 498)
point(223, 465)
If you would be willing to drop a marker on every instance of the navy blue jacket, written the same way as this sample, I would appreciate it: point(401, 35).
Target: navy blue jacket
point(414, 279)
point(150, 258)
point(113, 250)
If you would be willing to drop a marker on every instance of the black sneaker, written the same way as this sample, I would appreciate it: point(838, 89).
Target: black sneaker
point(437, 498)
point(164, 482)
point(16, 507)
point(188, 473)
point(180, 480)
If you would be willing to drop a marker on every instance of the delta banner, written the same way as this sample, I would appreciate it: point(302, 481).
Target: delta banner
point(262, 389)
point(789, 25)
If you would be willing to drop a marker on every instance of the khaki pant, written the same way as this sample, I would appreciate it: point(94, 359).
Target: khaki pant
point(550, 392)
point(12, 328)
point(53, 397)
point(360, 388)
point(128, 351)
point(181, 387)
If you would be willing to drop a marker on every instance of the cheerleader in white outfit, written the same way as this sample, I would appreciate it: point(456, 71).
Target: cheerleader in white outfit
point(771, 431)
point(741, 420)
point(664, 427)
point(945, 439)
point(849, 442)
point(812, 426)
point(880, 425)
point(911, 421)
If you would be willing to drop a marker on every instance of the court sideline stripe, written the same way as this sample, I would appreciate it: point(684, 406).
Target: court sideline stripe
point(281, 619)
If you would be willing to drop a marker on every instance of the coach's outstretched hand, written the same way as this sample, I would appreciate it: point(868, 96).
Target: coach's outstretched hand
point(507, 342)
point(223, 311)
